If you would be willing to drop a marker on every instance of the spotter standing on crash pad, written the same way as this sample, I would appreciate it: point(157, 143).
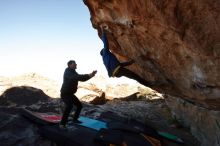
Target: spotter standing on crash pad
point(69, 87)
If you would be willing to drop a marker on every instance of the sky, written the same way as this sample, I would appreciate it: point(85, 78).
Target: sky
point(42, 35)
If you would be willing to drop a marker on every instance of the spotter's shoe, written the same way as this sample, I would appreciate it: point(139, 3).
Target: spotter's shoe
point(77, 121)
point(62, 127)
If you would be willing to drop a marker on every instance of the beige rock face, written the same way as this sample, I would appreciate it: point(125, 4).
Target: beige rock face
point(204, 124)
point(176, 41)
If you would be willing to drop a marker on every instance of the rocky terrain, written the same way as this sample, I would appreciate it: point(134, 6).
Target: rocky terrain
point(173, 41)
point(142, 103)
point(48, 86)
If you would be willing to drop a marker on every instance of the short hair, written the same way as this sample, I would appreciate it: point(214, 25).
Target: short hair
point(101, 52)
point(70, 62)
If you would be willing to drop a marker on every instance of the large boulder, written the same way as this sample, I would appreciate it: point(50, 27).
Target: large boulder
point(174, 41)
point(17, 131)
point(22, 96)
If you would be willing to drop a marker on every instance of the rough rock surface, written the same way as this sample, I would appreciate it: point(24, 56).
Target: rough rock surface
point(22, 96)
point(17, 130)
point(203, 123)
point(175, 41)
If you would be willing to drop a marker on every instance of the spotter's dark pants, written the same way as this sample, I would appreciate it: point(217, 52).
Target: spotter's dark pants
point(70, 100)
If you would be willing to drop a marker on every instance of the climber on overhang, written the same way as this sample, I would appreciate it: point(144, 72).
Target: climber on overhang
point(114, 67)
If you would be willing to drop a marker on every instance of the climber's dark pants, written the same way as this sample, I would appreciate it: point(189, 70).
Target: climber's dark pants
point(129, 74)
point(69, 100)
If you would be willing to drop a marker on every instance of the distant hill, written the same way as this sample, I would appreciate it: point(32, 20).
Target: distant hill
point(113, 88)
point(48, 86)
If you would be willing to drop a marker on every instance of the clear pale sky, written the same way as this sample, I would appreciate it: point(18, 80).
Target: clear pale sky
point(42, 35)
